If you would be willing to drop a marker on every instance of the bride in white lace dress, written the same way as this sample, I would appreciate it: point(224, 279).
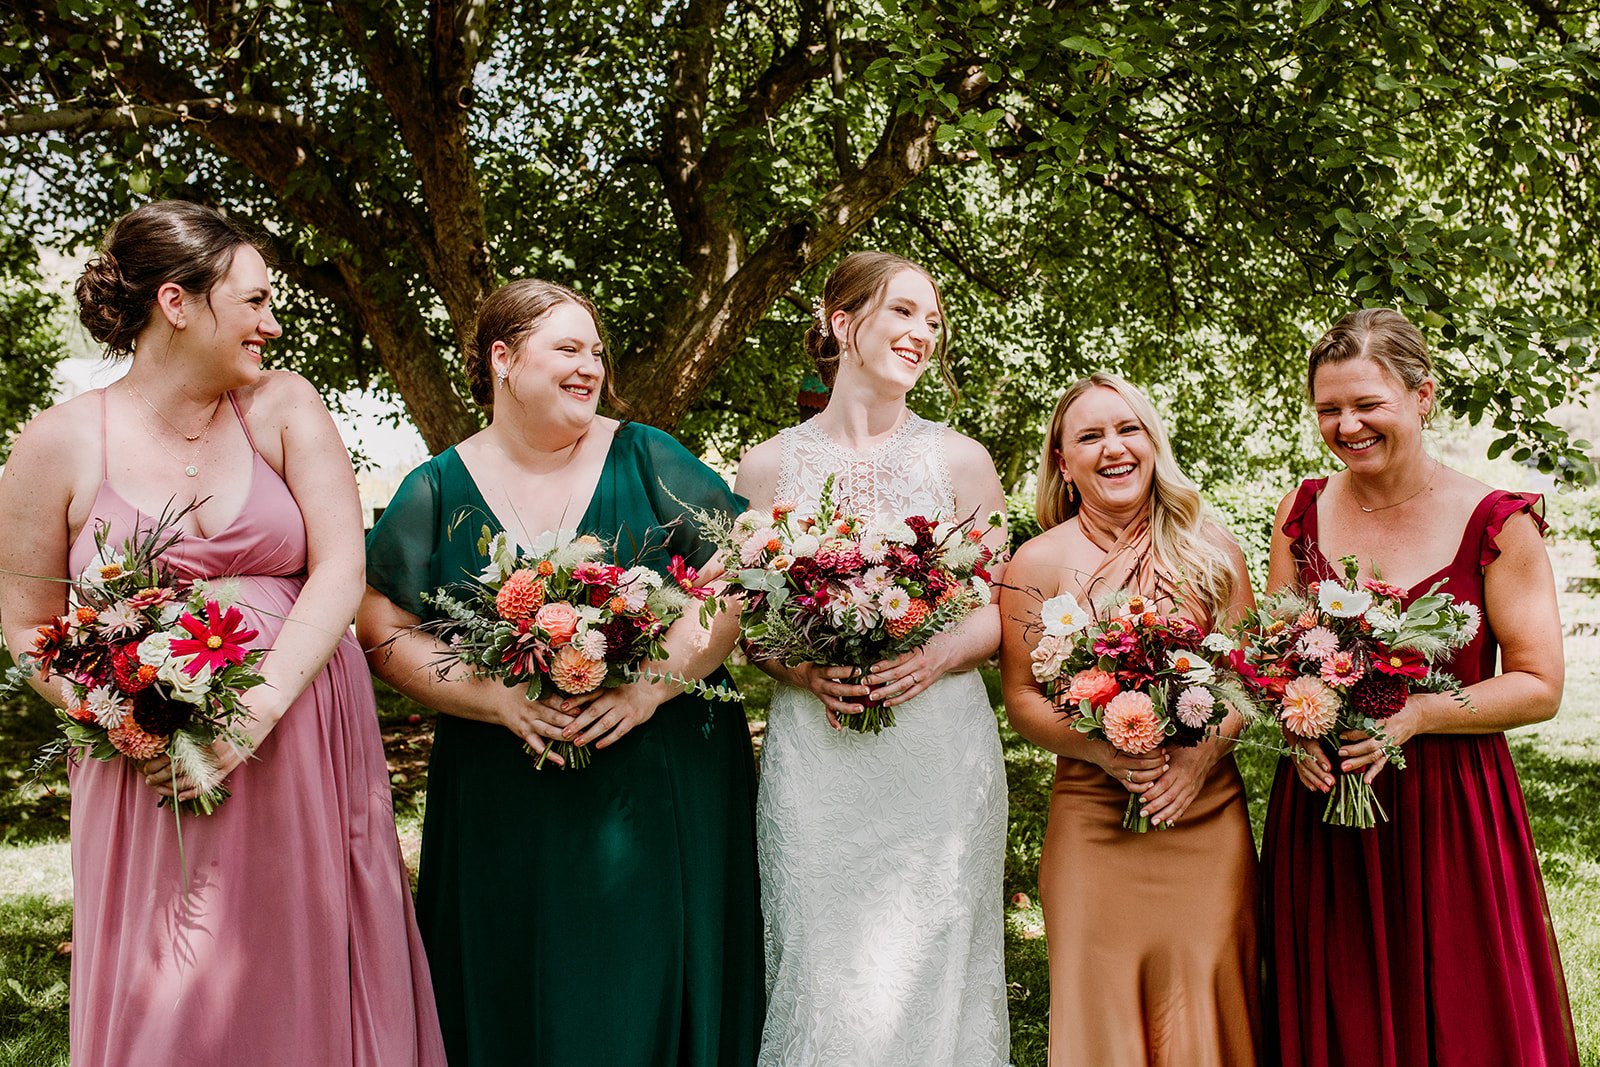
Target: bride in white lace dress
point(882, 855)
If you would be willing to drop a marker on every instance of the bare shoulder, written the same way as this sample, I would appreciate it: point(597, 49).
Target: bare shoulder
point(1042, 562)
point(759, 467)
point(1222, 537)
point(62, 438)
point(278, 397)
point(965, 455)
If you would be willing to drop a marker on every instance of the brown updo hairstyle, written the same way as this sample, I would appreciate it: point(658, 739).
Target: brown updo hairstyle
point(1382, 335)
point(510, 314)
point(176, 241)
point(857, 286)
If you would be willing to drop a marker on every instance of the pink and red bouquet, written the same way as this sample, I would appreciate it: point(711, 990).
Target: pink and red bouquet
point(1135, 678)
point(152, 665)
point(1346, 656)
point(557, 617)
point(838, 590)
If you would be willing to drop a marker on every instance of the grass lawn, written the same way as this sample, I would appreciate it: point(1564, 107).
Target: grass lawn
point(1559, 762)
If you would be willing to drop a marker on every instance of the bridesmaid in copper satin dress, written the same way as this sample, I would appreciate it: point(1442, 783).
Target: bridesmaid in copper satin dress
point(1153, 956)
point(1425, 940)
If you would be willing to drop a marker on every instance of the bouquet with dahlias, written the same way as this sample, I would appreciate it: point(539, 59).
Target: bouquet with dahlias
point(557, 615)
point(1344, 657)
point(1135, 678)
point(153, 665)
point(838, 590)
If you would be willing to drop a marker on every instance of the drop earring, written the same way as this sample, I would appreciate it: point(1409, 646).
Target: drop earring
point(1072, 492)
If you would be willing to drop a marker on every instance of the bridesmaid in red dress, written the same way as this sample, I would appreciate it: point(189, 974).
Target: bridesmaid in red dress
point(1427, 939)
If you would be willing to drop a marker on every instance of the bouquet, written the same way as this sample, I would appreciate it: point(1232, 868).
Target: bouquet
point(153, 665)
point(839, 590)
point(556, 616)
point(1347, 656)
point(1136, 678)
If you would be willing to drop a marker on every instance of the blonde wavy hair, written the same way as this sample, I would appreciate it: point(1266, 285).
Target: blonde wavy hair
point(1178, 517)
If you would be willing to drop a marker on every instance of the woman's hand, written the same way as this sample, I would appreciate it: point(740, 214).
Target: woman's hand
point(1136, 774)
point(168, 781)
point(1312, 765)
point(610, 713)
point(840, 695)
point(1171, 794)
point(895, 681)
point(1362, 750)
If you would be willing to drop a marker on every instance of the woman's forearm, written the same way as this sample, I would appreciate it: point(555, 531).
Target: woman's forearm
point(310, 633)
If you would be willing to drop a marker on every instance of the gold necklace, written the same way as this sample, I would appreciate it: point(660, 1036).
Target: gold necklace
point(1385, 507)
point(187, 437)
point(191, 469)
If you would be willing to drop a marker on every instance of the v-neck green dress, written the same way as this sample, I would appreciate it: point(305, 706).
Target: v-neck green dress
point(599, 916)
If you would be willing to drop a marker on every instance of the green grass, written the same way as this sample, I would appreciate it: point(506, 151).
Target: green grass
point(1559, 763)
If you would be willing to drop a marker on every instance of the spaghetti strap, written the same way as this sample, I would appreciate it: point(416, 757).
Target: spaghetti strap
point(245, 426)
point(105, 468)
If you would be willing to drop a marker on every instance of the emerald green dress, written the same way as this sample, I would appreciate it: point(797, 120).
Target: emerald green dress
point(599, 916)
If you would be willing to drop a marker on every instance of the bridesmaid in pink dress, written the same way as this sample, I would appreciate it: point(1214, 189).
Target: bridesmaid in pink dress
point(1426, 940)
point(293, 941)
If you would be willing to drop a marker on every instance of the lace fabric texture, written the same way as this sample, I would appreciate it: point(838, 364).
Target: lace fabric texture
point(882, 856)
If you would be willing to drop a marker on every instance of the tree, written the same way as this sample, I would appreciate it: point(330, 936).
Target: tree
point(30, 345)
point(1186, 187)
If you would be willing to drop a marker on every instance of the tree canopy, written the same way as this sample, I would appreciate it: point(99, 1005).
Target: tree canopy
point(1186, 192)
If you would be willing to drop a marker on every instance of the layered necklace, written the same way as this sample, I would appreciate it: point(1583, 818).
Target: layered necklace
point(192, 467)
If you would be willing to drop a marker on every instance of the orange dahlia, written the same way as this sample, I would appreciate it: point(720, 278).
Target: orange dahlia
point(520, 596)
point(915, 615)
point(574, 673)
point(129, 739)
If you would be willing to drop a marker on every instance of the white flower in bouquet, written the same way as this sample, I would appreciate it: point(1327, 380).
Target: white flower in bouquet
point(746, 524)
point(592, 643)
point(874, 546)
point(571, 550)
point(155, 650)
point(106, 705)
point(1384, 623)
point(943, 532)
point(1194, 669)
point(189, 690)
point(1474, 622)
point(1049, 655)
point(502, 553)
point(805, 545)
point(1063, 615)
point(981, 587)
point(1194, 706)
point(108, 565)
point(120, 619)
point(635, 588)
point(898, 533)
point(225, 591)
point(894, 602)
point(1217, 642)
point(759, 541)
point(875, 580)
point(1342, 603)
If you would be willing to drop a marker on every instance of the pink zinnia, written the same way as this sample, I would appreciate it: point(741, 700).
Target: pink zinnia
point(1194, 706)
point(1309, 707)
point(1131, 723)
point(1318, 643)
point(1341, 668)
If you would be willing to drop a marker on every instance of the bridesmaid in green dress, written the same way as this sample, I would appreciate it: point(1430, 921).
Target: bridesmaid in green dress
point(572, 917)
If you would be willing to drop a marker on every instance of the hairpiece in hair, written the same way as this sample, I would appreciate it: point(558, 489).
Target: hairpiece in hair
point(818, 314)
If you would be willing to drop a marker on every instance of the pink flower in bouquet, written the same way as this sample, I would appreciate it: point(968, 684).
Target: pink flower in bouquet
point(558, 619)
point(1131, 724)
point(1194, 706)
point(1341, 668)
point(1096, 686)
point(130, 740)
point(760, 541)
point(1379, 587)
point(1116, 641)
point(840, 555)
point(151, 598)
point(1318, 643)
point(1309, 707)
point(520, 596)
point(597, 573)
point(215, 643)
point(574, 673)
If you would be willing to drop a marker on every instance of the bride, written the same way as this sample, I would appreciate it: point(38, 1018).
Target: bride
point(881, 855)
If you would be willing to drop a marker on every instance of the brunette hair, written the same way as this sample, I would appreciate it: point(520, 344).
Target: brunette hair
point(857, 286)
point(187, 244)
point(1178, 519)
point(1382, 335)
point(509, 315)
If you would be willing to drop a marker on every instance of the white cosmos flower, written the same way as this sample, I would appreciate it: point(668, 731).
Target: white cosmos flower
point(1063, 615)
point(1342, 603)
point(107, 566)
point(1194, 669)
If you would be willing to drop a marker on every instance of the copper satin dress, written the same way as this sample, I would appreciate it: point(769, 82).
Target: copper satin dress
point(1153, 950)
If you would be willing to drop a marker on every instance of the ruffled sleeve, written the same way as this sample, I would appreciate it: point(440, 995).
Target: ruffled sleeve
point(1294, 527)
point(1503, 506)
point(401, 545)
point(678, 484)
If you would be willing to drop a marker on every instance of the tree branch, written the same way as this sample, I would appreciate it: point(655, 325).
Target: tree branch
point(91, 119)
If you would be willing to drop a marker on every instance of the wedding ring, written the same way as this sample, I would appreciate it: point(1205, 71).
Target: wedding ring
point(1128, 775)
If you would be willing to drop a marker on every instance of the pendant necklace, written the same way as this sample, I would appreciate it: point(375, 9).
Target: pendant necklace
point(191, 469)
point(1385, 507)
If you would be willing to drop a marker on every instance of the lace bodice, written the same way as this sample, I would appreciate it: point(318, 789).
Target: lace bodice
point(904, 474)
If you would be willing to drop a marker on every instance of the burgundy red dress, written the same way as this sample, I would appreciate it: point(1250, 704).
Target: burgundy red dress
point(1427, 939)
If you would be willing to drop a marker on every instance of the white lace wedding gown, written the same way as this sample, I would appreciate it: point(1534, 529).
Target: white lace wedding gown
point(882, 856)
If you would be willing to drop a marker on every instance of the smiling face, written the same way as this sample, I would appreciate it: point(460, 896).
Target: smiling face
point(1105, 451)
point(238, 322)
point(1367, 417)
point(894, 341)
point(555, 371)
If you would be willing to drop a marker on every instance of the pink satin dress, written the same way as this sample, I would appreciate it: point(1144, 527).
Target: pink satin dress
point(295, 941)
